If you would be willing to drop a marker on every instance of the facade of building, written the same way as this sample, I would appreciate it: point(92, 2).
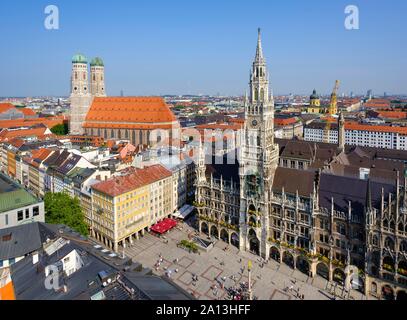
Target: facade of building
point(375, 136)
point(312, 213)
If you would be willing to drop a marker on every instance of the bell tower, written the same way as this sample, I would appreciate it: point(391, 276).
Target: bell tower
point(80, 94)
point(97, 78)
point(258, 158)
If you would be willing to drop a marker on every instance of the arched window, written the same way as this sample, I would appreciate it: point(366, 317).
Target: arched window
point(256, 95)
point(262, 94)
point(375, 240)
point(389, 243)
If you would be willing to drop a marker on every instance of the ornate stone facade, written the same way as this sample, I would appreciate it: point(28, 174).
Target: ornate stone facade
point(346, 229)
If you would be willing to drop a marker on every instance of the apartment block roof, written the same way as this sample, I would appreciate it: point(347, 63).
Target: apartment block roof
point(13, 196)
point(129, 280)
point(132, 179)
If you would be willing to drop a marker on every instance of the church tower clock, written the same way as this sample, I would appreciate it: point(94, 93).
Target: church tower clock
point(258, 158)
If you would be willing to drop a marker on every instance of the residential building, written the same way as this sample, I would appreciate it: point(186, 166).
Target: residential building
point(356, 134)
point(17, 205)
point(127, 205)
point(85, 271)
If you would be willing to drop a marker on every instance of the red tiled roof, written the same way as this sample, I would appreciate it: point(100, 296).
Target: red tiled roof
point(285, 122)
point(134, 179)
point(49, 122)
point(41, 154)
point(27, 111)
point(6, 106)
point(393, 114)
point(7, 134)
point(377, 103)
point(122, 111)
point(373, 128)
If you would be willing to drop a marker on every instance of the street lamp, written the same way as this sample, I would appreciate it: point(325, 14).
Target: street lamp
point(249, 269)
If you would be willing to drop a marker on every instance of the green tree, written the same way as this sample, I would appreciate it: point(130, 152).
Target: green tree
point(60, 129)
point(61, 208)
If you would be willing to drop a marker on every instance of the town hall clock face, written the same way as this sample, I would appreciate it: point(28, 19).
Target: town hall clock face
point(254, 123)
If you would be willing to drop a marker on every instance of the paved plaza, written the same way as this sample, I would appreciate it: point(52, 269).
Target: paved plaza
point(273, 281)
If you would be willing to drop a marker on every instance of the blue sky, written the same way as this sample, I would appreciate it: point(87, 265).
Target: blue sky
point(204, 46)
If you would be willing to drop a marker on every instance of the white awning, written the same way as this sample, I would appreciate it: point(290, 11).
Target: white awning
point(184, 212)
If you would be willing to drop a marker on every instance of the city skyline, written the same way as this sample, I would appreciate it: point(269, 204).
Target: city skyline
point(157, 56)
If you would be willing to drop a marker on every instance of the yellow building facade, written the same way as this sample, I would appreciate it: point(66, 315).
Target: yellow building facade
point(121, 206)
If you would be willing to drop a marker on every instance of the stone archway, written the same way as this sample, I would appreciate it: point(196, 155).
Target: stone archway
point(205, 228)
point(234, 239)
point(215, 232)
point(401, 295)
point(288, 259)
point(373, 288)
point(323, 270)
point(224, 235)
point(254, 242)
point(339, 276)
point(387, 293)
point(275, 254)
point(303, 265)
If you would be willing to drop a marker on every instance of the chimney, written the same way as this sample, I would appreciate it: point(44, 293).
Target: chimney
point(35, 258)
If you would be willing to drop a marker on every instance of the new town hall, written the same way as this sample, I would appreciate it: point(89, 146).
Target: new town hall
point(321, 208)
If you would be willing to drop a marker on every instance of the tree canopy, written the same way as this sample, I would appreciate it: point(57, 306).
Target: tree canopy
point(61, 208)
point(60, 129)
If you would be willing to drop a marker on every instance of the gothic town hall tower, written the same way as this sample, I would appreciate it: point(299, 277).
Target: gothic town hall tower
point(258, 158)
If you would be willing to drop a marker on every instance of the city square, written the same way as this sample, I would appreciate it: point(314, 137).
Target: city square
point(218, 266)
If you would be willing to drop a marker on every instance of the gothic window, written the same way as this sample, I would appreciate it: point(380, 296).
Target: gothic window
point(403, 247)
point(262, 94)
point(258, 141)
point(256, 95)
point(401, 227)
point(76, 76)
point(94, 78)
point(392, 226)
point(84, 76)
point(389, 243)
point(386, 224)
point(341, 229)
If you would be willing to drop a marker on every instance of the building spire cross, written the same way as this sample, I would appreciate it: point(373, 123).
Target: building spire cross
point(259, 49)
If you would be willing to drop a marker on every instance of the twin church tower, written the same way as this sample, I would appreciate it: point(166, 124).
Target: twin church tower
point(83, 91)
